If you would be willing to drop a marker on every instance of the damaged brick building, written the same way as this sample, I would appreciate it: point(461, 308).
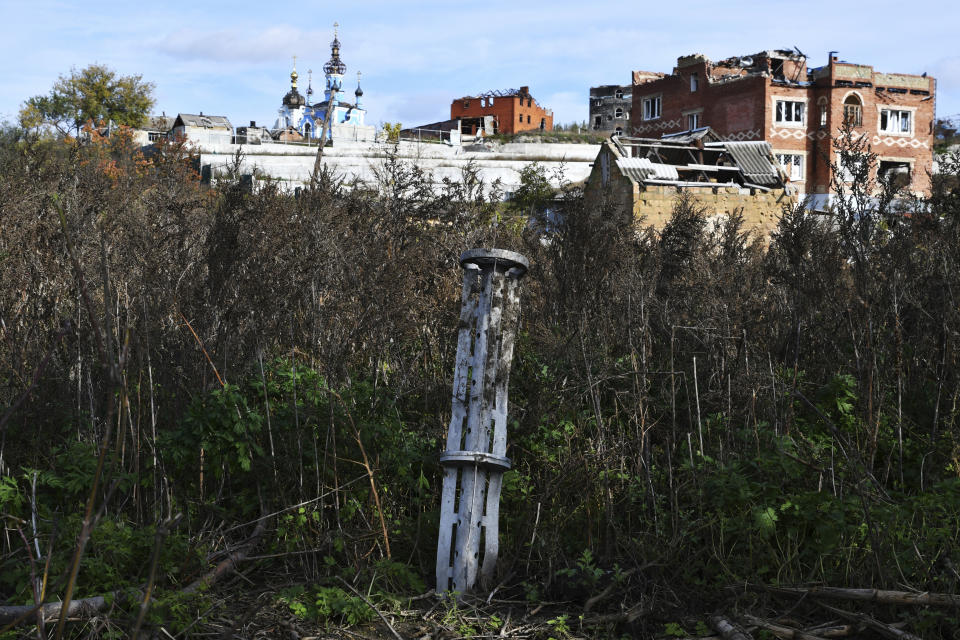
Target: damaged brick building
point(646, 175)
point(775, 97)
point(610, 106)
point(513, 111)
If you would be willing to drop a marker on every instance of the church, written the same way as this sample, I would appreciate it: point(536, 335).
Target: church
point(299, 119)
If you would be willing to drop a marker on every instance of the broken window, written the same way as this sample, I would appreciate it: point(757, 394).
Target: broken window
point(693, 121)
point(853, 111)
point(597, 122)
point(790, 111)
point(619, 94)
point(652, 108)
point(822, 102)
point(896, 121)
point(528, 119)
point(618, 113)
point(466, 104)
point(529, 101)
point(618, 131)
point(792, 164)
point(694, 82)
point(895, 172)
point(521, 118)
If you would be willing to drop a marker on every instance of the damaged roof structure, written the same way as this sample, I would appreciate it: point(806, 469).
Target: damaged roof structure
point(774, 96)
point(647, 174)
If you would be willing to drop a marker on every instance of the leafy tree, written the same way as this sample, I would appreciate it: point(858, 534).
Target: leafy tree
point(95, 93)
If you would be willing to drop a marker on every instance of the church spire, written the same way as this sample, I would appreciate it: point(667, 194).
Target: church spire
point(335, 66)
point(294, 75)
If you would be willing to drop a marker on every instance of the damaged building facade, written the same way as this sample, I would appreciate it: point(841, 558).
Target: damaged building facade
point(646, 176)
point(512, 110)
point(610, 106)
point(773, 96)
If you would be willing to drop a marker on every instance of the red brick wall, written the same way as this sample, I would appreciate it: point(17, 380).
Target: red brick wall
point(744, 109)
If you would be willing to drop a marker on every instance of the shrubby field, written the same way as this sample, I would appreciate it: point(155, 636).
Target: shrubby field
point(222, 406)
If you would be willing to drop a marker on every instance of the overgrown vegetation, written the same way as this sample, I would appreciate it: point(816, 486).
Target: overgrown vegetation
point(694, 410)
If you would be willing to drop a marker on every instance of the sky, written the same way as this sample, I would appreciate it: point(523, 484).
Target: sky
point(234, 57)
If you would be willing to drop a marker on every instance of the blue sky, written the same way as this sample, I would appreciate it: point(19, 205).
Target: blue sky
point(233, 58)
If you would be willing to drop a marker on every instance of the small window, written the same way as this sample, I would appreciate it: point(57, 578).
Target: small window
point(693, 121)
point(792, 164)
point(853, 111)
point(597, 122)
point(896, 121)
point(619, 94)
point(466, 104)
point(528, 119)
point(652, 108)
point(790, 111)
point(521, 118)
point(618, 131)
point(822, 103)
point(694, 82)
point(529, 101)
point(618, 113)
point(543, 124)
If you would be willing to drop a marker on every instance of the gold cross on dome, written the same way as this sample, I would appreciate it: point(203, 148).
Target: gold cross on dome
point(294, 63)
point(336, 25)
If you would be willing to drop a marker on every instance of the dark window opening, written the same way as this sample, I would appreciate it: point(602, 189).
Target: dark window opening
point(528, 119)
point(896, 173)
point(776, 67)
point(597, 122)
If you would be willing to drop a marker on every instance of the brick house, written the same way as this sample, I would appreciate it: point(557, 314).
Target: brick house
point(773, 96)
point(513, 111)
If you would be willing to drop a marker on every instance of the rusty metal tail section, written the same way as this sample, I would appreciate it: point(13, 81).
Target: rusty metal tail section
point(475, 457)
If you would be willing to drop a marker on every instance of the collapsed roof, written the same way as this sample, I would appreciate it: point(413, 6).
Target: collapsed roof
point(698, 158)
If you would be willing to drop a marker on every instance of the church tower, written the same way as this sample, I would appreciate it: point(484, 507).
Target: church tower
point(334, 69)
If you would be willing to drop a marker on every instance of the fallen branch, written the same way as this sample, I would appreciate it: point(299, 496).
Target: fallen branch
point(885, 630)
point(83, 607)
point(624, 617)
point(228, 564)
point(781, 630)
point(873, 595)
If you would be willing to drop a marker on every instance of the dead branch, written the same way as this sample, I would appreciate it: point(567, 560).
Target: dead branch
point(781, 630)
point(229, 564)
point(636, 611)
point(885, 630)
point(873, 595)
point(78, 608)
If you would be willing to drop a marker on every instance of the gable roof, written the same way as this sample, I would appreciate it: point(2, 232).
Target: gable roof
point(200, 120)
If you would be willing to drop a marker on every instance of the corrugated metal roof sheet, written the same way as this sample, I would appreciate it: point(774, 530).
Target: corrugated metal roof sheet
point(755, 160)
point(686, 137)
point(642, 168)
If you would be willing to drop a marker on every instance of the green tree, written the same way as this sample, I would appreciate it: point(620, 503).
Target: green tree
point(93, 94)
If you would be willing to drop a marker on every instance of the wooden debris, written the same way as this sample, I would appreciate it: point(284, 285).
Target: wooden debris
point(885, 630)
point(781, 630)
